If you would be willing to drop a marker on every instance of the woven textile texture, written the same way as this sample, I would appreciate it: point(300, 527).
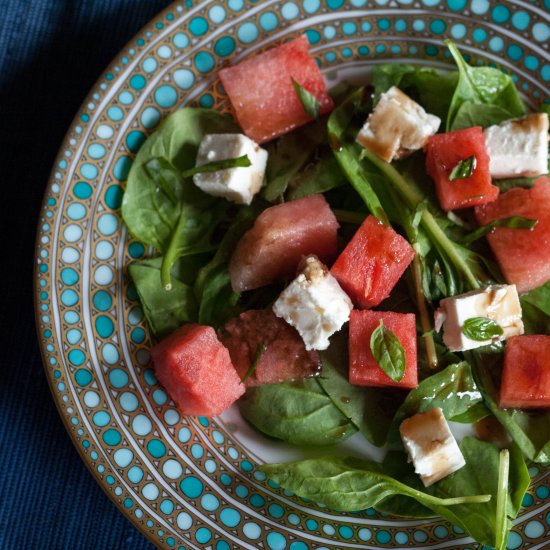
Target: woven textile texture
point(51, 53)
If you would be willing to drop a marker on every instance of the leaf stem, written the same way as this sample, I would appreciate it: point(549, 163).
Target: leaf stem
point(502, 496)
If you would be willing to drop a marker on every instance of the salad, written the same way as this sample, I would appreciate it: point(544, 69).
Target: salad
point(440, 241)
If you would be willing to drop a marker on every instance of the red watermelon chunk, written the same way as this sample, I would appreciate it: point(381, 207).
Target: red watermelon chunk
point(372, 263)
point(262, 95)
point(444, 152)
point(526, 376)
point(196, 370)
point(522, 254)
point(363, 368)
point(276, 348)
point(281, 235)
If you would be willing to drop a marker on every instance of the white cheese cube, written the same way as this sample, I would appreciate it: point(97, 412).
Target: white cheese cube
point(234, 184)
point(397, 126)
point(431, 446)
point(498, 302)
point(314, 304)
point(518, 147)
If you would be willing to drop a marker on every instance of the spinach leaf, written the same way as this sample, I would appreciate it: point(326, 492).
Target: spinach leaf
point(348, 152)
point(489, 522)
point(482, 86)
point(431, 89)
point(307, 99)
point(530, 430)
point(299, 412)
point(467, 498)
point(537, 304)
point(288, 155)
point(217, 165)
point(388, 352)
point(452, 389)
point(478, 114)
point(351, 484)
point(164, 311)
point(317, 177)
point(369, 409)
point(152, 216)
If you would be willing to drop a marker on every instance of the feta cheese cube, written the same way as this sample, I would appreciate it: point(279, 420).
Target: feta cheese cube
point(498, 302)
point(518, 147)
point(234, 184)
point(397, 126)
point(314, 304)
point(431, 446)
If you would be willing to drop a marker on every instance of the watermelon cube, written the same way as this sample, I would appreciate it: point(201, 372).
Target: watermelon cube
point(262, 94)
point(444, 152)
point(522, 254)
point(267, 349)
point(363, 368)
point(372, 263)
point(281, 235)
point(526, 376)
point(196, 370)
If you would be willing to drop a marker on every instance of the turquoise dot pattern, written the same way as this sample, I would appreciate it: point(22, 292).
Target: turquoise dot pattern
point(189, 482)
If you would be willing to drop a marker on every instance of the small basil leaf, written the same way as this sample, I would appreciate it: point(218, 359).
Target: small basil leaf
point(481, 329)
point(307, 99)
point(388, 352)
point(217, 165)
point(464, 169)
point(513, 222)
point(260, 350)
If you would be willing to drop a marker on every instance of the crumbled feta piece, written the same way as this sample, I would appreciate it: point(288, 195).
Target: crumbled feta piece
point(234, 184)
point(314, 304)
point(498, 302)
point(431, 446)
point(397, 126)
point(518, 147)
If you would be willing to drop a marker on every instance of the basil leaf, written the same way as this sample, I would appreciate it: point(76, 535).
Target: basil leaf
point(217, 165)
point(513, 222)
point(307, 99)
point(481, 329)
point(260, 350)
point(464, 169)
point(388, 352)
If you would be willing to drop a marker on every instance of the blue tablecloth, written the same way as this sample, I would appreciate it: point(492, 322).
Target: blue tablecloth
point(51, 53)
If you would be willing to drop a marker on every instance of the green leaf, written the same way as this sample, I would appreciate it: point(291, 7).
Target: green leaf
point(453, 390)
point(351, 484)
point(467, 498)
point(481, 329)
point(464, 169)
point(307, 99)
point(217, 165)
point(347, 152)
point(288, 155)
point(483, 86)
point(299, 412)
point(388, 352)
point(152, 216)
point(513, 222)
point(164, 311)
point(260, 350)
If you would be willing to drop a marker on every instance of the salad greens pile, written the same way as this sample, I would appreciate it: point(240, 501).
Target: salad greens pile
point(194, 234)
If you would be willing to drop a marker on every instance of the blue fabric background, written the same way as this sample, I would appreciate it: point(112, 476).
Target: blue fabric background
point(51, 53)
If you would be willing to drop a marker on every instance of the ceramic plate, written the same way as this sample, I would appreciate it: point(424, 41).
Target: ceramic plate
point(194, 482)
